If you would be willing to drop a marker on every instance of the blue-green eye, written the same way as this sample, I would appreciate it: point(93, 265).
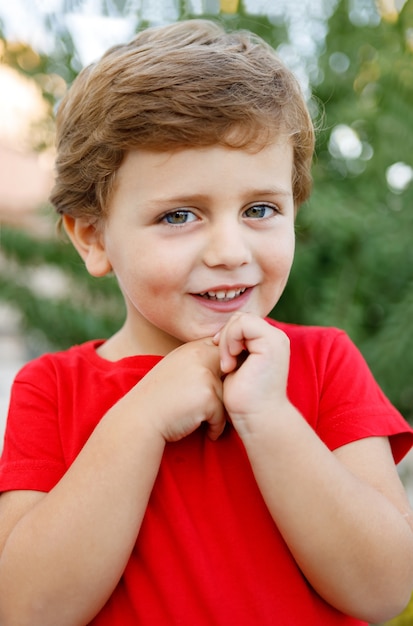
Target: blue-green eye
point(177, 218)
point(260, 211)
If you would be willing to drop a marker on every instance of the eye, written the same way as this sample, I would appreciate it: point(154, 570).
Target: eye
point(260, 211)
point(177, 218)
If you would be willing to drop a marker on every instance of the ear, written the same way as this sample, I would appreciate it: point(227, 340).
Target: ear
point(88, 241)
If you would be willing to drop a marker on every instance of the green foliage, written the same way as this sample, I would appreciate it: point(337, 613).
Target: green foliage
point(354, 262)
point(59, 303)
point(273, 33)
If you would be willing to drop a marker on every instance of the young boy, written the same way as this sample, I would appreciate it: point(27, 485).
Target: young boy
point(204, 466)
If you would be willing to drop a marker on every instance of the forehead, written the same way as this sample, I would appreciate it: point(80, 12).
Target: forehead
point(169, 158)
point(211, 171)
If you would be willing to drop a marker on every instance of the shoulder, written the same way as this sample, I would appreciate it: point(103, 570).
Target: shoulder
point(52, 362)
point(317, 340)
point(306, 333)
point(329, 352)
point(333, 386)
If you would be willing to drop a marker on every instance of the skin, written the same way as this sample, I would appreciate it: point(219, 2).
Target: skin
point(222, 223)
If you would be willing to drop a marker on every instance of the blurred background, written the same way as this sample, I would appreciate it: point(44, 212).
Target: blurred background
point(354, 263)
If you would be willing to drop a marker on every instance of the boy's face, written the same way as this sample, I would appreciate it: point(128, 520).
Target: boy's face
point(196, 234)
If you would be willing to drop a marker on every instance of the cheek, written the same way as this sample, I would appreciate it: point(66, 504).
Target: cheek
point(156, 274)
point(278, 258)
point(169, 263)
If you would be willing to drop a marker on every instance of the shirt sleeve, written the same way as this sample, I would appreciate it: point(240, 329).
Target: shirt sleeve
point(32, 455)
point(352, 405)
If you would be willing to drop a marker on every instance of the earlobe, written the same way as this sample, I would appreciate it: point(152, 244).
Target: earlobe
point(87, 240)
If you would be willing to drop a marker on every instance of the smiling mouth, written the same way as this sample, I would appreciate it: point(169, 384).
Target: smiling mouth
point(223, 296)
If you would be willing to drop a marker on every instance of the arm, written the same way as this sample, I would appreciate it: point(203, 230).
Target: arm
point(62, 553)
point(344, 515)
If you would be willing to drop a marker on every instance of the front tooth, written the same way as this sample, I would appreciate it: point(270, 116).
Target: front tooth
point(223, 295)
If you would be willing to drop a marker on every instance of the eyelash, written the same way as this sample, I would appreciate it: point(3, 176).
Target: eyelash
point(184, 213)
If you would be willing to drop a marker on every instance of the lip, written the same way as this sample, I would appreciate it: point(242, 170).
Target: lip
point(223, 306)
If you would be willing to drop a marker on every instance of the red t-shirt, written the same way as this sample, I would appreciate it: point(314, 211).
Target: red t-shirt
point(208, 553)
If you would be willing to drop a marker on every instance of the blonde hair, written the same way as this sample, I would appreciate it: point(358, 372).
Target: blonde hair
point(185, 84)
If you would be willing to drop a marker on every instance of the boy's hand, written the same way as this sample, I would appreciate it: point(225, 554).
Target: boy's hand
point(255, 362)
point(184, 390)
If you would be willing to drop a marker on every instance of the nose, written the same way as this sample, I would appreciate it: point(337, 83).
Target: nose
point(227, 245)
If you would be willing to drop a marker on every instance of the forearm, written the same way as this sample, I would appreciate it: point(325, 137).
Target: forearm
point(64, 558)
point(352, 544)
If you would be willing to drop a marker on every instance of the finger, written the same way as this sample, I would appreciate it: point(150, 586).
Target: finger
point(232, 344)
point(214, 362)
point(216, 424)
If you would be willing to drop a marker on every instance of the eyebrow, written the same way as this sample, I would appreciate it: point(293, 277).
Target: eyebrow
point(270, 191)
point(250, 192)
